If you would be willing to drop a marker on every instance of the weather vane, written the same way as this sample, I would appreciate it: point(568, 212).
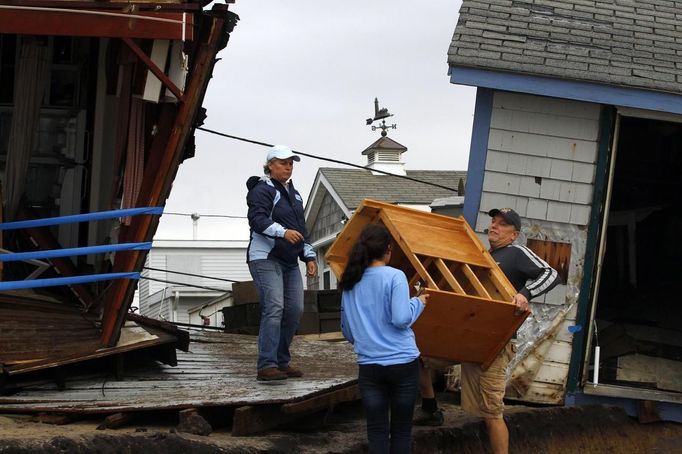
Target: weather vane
point(380, 114)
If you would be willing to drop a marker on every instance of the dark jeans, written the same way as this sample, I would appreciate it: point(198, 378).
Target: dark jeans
point(389, 387)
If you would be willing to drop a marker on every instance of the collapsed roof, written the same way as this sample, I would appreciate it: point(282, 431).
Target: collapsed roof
point(98, 107)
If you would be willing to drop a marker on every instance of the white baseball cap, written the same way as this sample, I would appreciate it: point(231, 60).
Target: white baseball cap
point(282, 152)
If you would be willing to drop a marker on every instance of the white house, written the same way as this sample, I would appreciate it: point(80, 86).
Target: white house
point(176, 281)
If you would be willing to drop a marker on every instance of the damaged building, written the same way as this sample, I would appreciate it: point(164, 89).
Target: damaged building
point(99, 102)
point(578, 127)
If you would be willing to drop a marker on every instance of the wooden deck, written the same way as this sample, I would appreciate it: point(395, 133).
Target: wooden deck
point(44, 339)
point(219, 370)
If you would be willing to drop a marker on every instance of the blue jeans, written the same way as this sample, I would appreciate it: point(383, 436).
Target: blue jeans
point(280, 288)
point(389, 387)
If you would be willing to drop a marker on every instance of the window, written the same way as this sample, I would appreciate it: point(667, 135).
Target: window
point(65, 74)
point(8, 52)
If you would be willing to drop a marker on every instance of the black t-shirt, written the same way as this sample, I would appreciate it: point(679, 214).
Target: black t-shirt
point(529, 274)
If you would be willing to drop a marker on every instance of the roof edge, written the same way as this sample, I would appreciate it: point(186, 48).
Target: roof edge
point(567, 89)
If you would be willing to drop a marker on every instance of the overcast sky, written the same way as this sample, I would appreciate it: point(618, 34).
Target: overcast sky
point(305, 74)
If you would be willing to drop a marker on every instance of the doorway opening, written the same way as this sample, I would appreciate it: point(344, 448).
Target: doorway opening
point(638, 314)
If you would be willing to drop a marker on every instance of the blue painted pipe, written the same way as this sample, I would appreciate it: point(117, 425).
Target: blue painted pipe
point(19, 256)
point(96, 216)
point(71, 280)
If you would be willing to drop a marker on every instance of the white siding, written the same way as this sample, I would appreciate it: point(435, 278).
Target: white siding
point(221, 259)
point(147, 287)
point(158, 261)
point(225, 265)
point(157, 309)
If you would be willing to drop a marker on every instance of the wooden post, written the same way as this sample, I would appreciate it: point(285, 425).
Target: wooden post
point(156, 186)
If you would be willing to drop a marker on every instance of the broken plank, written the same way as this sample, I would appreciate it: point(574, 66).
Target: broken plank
point(58, 419)
point(322, 401)
point(252, 419)
point(115, 421)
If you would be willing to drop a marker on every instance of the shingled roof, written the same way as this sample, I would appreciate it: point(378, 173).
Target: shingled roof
point(354, 185)
point(627, 43)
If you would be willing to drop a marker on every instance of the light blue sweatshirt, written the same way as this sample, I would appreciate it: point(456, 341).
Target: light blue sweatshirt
point(376, 316)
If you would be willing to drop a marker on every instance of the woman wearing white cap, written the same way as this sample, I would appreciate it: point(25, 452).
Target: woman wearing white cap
point(278, 240)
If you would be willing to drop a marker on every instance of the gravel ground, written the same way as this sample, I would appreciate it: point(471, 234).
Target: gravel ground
point(590, 429)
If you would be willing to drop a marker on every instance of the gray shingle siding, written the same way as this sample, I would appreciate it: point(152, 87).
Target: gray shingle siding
point(627, 43)
point(354, 185)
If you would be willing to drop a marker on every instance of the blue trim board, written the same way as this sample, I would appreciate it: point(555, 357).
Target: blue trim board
point(567, 89)
point(606, 130)
point(668, 411)
point(478, 153)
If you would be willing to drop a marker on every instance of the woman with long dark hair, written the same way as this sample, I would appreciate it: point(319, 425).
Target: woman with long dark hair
point(377, 315)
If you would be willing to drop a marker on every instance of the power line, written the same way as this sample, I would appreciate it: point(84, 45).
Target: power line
point(185, 284)
point(188, 274)
point(336, 161)
point(208, 215)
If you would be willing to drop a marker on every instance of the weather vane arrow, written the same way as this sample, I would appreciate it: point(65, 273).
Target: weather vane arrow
point(380, 114)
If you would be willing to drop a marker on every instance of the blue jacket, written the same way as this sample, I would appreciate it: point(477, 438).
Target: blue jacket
point(272, 210)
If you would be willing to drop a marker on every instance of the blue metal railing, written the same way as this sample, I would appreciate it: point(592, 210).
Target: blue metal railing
point(72, 219)
point(36, 255)
point(70, 280)
point(68, 252)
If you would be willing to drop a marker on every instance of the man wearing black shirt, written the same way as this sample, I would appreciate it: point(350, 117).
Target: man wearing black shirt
point(483, 390)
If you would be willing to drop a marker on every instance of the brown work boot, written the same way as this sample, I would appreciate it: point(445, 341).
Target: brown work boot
point(271, 373)
point(292, 372)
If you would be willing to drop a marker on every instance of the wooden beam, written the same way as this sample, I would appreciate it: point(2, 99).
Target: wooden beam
point(154, 69)
point(449, 278)
point(182, 335)
point(473, 279)
point(647, 411)
point(252, 419)
point(77, 357)
point(156, 187)
point(395, 233)
point(504, 285)
point(112, 4)
point(416, 277)
point(57, 419)
point(326, 400)
point(45, 241)
point(96, 23)
point(116, 420)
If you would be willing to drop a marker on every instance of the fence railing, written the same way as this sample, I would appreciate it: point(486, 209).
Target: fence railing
point(33, 256)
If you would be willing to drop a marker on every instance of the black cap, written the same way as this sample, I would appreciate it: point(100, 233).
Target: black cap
point(509, 215)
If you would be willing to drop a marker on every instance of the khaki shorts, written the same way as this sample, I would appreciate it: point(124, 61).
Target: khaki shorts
point(483, 390)
point(435, 364)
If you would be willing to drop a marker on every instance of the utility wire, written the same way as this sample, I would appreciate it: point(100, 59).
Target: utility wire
point(185, 284)
point(188, 274)
point(336, 161)
point(208, 215)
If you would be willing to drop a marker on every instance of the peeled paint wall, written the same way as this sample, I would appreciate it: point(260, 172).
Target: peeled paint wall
point(551, 316)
